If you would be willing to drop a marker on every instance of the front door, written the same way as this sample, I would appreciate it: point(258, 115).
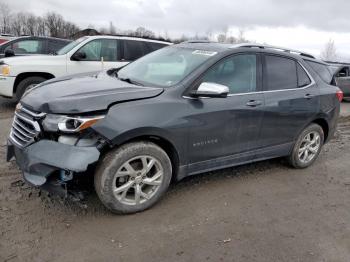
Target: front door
point(225, 130)
point(100, 54)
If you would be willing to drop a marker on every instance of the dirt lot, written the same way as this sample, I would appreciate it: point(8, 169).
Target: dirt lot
point(260, 212)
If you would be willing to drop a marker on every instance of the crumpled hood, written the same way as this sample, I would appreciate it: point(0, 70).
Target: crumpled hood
point(84, 93)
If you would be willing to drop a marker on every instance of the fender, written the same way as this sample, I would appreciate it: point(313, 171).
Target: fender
point(146, 118)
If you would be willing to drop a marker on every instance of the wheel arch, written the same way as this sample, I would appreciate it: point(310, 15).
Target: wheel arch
point(156, 136)
point(23, 76)
point(325, 126)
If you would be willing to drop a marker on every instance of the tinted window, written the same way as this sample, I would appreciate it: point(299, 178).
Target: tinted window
point(100, 48)
point(54, 46)
point(322, 71)
point(133, 50)
point(150, 46)
point(344, 72)
point(280, 73)
point(27, 47)
point(303, 78)
point(237, 72)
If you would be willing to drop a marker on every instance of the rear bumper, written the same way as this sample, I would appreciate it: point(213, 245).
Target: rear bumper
point(6, 85)
point(39, 160)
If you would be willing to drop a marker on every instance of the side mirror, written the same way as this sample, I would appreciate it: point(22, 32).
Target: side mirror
point(78, 56)
point(207, 89)
point(9, 52)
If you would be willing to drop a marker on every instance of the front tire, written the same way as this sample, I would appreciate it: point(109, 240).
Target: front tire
point(27, 83)
point(133, 177)
point(307, 147)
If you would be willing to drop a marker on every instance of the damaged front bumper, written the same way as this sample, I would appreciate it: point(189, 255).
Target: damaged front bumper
point(41, 159)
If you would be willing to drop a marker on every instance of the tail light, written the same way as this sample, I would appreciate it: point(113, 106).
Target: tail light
point(340, 95)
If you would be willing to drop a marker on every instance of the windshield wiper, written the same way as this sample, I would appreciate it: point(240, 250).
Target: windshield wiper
point(130, 81)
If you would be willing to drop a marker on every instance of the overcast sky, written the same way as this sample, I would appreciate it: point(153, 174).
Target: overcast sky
point(305, 25)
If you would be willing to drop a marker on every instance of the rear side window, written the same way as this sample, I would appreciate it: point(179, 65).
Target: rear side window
point(54, 46)
point(322, 71)
point(303, 78)
point(133, 50)
point(281, 73)
point(150, 46)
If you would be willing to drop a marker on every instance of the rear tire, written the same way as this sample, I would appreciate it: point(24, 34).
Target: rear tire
point(133, 177)
point(27, 83)
point(307, 147)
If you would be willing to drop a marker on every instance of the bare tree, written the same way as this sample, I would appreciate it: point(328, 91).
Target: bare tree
point(329, 52)
point(143, 32)
point(112, 29)
point(18, 24)
point(221, 38)
point(31, 24)
point(69, 29)
point(5, 18)
point(55, 24)
point(41, 29)
point(241, 38)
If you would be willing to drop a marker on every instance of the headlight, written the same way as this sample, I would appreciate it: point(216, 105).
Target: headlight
point(4, 70)
point(69, 124)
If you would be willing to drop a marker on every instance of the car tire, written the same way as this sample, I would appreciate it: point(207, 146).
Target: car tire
point(125, 178)
point(307, 147)
point(27, 83)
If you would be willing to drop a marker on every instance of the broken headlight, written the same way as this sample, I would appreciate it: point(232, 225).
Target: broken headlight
point(68, 124)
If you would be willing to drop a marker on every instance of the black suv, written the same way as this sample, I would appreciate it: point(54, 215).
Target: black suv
point(32, 45)
point(182, 110)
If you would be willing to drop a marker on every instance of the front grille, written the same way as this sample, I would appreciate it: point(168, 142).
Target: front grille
point(25, 127)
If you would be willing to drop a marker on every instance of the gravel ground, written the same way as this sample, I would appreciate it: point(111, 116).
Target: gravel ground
point(259, 212)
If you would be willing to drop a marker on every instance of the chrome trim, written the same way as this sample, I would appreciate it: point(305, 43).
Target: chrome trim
point(36, 115)
point(62, 125)
point(212, 88)
point(14, 140)
point(25, 129)
point(271, 91)
point(35, 124)
point(25, 136)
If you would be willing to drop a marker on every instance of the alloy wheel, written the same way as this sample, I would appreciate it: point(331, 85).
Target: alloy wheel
point(309, 147)
point(137, 180)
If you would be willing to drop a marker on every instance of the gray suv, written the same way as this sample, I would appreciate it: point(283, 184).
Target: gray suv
point(182, 110)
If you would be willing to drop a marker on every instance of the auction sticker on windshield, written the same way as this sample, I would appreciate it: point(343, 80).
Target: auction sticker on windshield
point(204, 52)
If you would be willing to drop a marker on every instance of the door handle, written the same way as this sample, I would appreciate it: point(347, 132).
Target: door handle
point(308, 96)
point(253, 103)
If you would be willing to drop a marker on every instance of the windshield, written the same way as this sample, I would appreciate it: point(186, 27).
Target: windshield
point(165, 67)
point(70, 46)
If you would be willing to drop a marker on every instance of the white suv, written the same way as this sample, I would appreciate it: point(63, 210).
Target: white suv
point(87, 54)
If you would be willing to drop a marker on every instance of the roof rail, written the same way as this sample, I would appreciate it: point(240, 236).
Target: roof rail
point(273, 47)
point(196, 41)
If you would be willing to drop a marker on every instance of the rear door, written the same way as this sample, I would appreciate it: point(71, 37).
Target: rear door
point(291, 102)
point(227, 129)
point(54, 45)
point(132, 50)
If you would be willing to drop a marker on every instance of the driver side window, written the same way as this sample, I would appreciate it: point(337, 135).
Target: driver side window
point(237, 72)
point(100, 48)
